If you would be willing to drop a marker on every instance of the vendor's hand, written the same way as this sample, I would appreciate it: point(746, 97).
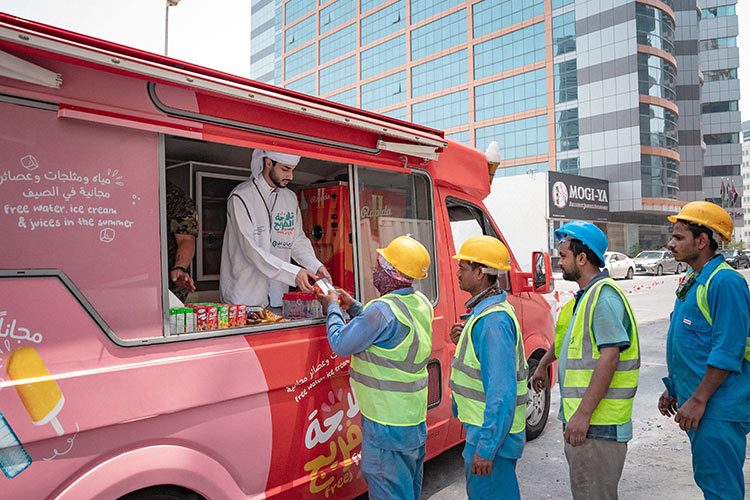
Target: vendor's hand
point(322, 272)
point(182, 279)
point(346, 299)
point(667, 404)
point(539, 378)
point(578, 426)
point(326, 299)
point(480, 466)
point(456, 331)
point(304, 280)
point(689, 414)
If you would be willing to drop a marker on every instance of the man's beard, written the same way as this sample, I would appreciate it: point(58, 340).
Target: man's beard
point(276, 181)
point(572, 275)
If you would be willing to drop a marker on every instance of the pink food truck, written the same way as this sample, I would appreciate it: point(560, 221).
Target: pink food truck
point(106, 388)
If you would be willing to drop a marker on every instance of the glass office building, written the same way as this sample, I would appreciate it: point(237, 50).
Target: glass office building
point(588, 87)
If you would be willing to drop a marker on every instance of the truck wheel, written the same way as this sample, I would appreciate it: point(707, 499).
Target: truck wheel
point(659, 270)
point(162, 492)
point(630, 274)
point(537, 406)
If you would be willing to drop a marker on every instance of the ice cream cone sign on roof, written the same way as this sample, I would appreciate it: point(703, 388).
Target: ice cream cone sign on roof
point(492, 153)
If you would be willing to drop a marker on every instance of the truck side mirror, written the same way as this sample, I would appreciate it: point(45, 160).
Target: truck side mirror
point(542, 267)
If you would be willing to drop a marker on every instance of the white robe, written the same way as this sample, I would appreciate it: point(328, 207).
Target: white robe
point(261, 235)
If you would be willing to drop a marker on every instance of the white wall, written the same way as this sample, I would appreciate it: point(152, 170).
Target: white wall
point(518, 205)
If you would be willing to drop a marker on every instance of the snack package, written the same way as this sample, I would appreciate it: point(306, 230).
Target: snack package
point(189, 319)
point(323, 286)
point(201, 317)
point(177, 320)
point(301, 305)
point(241, 315)
point(223, 315)
point(259, 314)
point(233, 315)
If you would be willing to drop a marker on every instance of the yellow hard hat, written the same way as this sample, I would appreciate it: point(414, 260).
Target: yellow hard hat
point(408, 256)
point(706, 214)
point(485, 250)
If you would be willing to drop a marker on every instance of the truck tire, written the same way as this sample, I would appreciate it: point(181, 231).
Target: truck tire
point(537, 405)
point(162, 492)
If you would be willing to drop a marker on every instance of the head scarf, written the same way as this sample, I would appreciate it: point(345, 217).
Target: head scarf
point(257, 163)
point(387, 278)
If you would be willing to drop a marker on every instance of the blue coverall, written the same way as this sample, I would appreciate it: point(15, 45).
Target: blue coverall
point(494, 339)
point(392, 456)
point(718, 445)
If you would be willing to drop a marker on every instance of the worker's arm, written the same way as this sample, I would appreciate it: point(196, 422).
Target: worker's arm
point(690, 413)
point(183, 258)
point(539, 379)
point(373, 325)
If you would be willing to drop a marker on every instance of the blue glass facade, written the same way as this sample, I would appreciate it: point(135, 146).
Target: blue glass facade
point(529, 168)
point(305, 85)
point(337, 14)
point(300, 33)
point(658, 126)
point(299, 62)
point(384, 91)
point(422, 9)
point(438, 74)
point(438, 35)
point(383, 56)
point(506, 52)
point(297, 8)
point(443, 112)
point(519, 138)
point(338, 75)
point(337, 44)
point(462, 137)
point(383, 22)
point(566, 81)
point(348, 97)
point(566, 129)
point(397, 113)
point(493, 15)
point(564, 33)
point(510, 95)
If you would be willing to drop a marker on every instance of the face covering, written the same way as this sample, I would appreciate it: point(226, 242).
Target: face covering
point(386, 278)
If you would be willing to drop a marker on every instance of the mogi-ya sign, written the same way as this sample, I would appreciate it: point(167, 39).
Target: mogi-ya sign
point(576, 197)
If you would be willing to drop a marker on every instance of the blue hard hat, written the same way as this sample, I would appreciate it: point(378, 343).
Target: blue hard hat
point(588, 234)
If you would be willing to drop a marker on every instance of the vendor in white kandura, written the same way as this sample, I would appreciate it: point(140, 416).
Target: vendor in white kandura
point(264, 229)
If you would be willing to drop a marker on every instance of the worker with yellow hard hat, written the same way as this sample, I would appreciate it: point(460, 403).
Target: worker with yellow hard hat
point(708, 352)
point(489, 371)
point(390, 341)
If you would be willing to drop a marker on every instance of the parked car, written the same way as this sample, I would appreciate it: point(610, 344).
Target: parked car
point(619, 265)
point(738, 259)
point(658, 262)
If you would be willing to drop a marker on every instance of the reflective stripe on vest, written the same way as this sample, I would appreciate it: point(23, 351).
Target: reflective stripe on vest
point(616, 406)
point(466, 374)
point(391, 384)
point(701, 296)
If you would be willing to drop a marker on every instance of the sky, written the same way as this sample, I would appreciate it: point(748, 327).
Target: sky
point(214, 33)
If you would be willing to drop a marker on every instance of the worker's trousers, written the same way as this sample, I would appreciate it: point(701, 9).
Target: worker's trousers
point(500, 483)
point(392, 474)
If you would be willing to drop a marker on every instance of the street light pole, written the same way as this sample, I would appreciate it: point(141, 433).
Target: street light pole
point(169, 3)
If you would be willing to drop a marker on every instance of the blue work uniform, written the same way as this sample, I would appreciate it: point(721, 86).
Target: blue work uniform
point(392, 456)
point(693, 343)
point(494, 340)
point(611, 325)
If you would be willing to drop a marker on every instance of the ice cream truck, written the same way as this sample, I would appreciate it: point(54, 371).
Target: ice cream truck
point(101, 395)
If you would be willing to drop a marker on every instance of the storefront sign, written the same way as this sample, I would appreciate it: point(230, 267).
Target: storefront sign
point(576, 197)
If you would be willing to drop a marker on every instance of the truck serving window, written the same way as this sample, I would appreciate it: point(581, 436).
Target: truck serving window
point(392, 204)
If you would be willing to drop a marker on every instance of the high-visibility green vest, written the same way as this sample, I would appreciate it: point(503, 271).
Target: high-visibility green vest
point(466, 374)
point(701, 296)
point(391, 384)
point(616, 407)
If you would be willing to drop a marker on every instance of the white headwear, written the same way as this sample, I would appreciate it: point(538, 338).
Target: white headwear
point(256, 164)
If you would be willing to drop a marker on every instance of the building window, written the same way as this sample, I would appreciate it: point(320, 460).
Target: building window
point(721, 11)
point(338, 75)
point(443, 112)
point(299, 62)
point(718, 43)
point(659, 177)
point(654, 27)
point(305, 85)
point(347, 97)
point(438, 35)
point(568, 166)
point(518, 139)
point(438, 74)
point(656, 77)
point(383, 22)
point(530, 168)
point(397, 113)
point(336, 14)
point(422, 9)
point(566, 81)
point(521, 47)
point(658, 127)
point(296, 9)
point(365, 5)
point(721, 170)
point(564, 33)
point(300, 33)
point(719, 107)
point(384, 91)
point(566, 129)
point(383, 56)
point(511, 95)
point(462, 137)
point(494, 15)
point(712, 139)
point(556, 4)
point(338, 44)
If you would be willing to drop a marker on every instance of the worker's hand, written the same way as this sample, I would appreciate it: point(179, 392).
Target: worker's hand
point(346, 299)
point(326, 299)
point(182, 279)
point(578, 426)
point(667, 404)
point(539, 378)
point(322, 272)
point(304, 280)
point(689, 414)
point(480, 466)
point(456, 331)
